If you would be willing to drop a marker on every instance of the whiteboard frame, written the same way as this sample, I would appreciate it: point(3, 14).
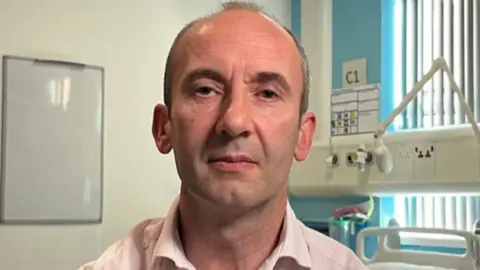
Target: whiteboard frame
point(3, 142)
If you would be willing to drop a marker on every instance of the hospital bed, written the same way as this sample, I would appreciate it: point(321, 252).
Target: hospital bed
point(396, 259)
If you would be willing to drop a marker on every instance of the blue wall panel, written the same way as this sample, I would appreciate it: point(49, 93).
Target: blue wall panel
point(356, 34)
point(364, 29)
point(296, 18)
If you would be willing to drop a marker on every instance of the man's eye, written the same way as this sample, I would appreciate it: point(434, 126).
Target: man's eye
point(268, 94)
point(204, 91)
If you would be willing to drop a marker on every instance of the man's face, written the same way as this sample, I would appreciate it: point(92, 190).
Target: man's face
point(235, 124)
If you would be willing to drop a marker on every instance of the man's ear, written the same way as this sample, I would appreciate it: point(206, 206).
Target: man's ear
point(161, 129)
point(308, 123)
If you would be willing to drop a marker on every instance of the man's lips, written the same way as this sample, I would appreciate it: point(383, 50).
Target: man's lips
point(232, 158)
point(232, 162)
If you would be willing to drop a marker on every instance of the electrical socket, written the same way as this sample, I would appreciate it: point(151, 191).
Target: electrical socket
point(424, 151)
point(424, 161)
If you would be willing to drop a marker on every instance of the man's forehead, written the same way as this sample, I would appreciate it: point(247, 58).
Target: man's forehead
point(242, 17)
point(238, 23)
point(260, 43)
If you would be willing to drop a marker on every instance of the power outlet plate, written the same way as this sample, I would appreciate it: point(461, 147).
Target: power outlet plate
point(424, 161)
point(424, 151)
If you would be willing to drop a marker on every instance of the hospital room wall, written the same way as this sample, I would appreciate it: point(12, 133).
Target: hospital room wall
point(357, 22)
point(131, 41)
point(360, 29)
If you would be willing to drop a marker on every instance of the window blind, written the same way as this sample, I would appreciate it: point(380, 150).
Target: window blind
point(431, 211)
point(425, 30)
point(428, 29)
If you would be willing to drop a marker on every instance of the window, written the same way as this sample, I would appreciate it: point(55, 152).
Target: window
point(423, 31)
point(436, 211)
point(447, 211)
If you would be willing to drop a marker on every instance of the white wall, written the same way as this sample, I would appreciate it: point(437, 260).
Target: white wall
point(131, 41)
point(317, 40)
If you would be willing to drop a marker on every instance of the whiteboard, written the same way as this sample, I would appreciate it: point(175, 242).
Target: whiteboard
point(52, 142)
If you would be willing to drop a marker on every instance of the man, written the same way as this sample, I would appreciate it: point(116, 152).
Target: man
point(236, 94)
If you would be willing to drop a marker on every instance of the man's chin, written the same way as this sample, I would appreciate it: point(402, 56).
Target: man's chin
point(231, 198)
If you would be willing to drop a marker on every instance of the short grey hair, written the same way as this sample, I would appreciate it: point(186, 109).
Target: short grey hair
point(227, 6)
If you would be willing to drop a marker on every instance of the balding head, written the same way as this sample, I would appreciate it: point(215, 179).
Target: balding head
point(236, 87)
point(234, 6)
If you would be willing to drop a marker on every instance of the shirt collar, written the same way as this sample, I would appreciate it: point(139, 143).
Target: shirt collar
point(292, 241)
point(169, 244)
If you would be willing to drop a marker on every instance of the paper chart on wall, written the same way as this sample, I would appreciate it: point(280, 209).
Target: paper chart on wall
point(355, 110)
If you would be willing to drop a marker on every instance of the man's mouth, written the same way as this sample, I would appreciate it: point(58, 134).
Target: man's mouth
point(232, 158)
point(232, 162)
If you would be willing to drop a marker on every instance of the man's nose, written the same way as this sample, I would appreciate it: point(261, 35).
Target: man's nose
point(235, 118)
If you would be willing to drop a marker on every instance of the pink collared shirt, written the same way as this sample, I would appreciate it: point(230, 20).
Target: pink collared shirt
point(154, 244)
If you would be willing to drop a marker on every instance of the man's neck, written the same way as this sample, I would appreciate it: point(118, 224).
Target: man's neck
point(213, 240)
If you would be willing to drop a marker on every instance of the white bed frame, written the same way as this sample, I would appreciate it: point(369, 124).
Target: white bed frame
point(467, 261)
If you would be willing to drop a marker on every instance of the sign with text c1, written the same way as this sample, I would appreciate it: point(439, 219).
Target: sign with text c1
point(354, 73)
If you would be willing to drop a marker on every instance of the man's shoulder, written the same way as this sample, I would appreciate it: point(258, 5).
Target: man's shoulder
point(131, 247)
point(326, 251)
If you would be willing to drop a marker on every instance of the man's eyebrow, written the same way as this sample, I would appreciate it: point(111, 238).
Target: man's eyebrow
point(205, 73)
point(269, 76)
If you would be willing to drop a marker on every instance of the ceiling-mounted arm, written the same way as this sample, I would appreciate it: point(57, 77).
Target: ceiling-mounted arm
point(438, 64)
point(408, 98)
point(383, 156)
point(463, 104)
